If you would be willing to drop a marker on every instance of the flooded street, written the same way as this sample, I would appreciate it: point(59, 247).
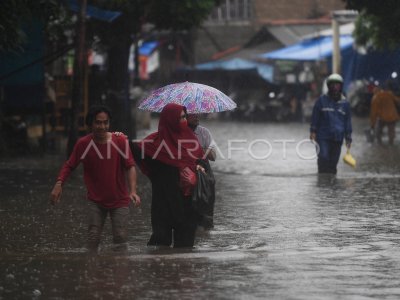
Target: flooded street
point(281, 230)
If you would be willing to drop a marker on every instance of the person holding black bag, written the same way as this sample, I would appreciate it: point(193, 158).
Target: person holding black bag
point(204, 196)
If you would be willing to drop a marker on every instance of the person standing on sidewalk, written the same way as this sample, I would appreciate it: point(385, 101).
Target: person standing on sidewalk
point(206, 141)
point(331, 124)
point(109, 175)
point(384, 113)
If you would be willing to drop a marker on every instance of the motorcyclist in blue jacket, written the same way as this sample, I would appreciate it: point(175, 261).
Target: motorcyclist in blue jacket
point(331, 124)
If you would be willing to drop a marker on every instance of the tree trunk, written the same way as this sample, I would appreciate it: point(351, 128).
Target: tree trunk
point(78, 79)
point(3, 144)
point(118, 87)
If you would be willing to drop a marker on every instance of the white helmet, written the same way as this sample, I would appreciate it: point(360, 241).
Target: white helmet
point(334, 78)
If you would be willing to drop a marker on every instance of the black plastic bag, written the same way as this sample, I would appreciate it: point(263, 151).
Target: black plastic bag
point(204, 193)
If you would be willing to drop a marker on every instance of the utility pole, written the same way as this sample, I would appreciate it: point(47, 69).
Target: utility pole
point(137, 86)
point(78, 81)
point(336, 58)
point(339, 17)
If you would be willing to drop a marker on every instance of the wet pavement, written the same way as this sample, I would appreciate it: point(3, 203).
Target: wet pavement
point(281, 231)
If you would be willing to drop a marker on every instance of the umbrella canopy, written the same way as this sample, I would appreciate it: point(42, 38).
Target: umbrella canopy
point(196, 97)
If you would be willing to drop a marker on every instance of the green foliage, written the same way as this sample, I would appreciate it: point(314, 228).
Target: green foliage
point(124, 26)
point(10, 35)
point(178, 14)
point(171, 14)
point(378, 23)
point(14, 13)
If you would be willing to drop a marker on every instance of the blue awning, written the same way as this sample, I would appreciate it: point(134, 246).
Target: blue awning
point(147, 48)
point(95, 12)
point(310, 49)
point(264, 70)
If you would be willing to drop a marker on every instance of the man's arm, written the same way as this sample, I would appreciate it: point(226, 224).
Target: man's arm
point(132, 186)
point(396, 99)
point(210, 154)
point(67, 168)
point(315, 120)
point(56, 192)
point(129, 165)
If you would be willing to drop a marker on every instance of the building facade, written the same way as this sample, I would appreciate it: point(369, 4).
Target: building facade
point(235, 22)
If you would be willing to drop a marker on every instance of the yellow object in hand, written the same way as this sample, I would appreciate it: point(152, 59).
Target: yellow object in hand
point(349, 159)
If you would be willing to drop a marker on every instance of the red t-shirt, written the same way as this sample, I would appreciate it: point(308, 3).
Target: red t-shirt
point(104, 169)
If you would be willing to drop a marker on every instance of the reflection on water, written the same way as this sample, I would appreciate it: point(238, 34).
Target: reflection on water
point(281, 230)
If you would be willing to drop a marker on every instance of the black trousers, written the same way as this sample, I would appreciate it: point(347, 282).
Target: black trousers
point(173, 219)
point(328, 156)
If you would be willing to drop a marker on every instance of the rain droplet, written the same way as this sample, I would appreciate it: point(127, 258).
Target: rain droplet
point(36, 293)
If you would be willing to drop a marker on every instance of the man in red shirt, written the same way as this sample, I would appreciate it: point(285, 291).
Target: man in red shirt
point(109, 175)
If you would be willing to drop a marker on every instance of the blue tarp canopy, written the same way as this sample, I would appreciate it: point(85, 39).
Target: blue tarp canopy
point(376, 65)
point(264, 70)
point(147, 48)
point(95, 12)
point(310, 49)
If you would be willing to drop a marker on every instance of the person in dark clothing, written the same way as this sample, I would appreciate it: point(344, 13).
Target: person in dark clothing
point(331, 124)
point(206, 143)
point(162, 156)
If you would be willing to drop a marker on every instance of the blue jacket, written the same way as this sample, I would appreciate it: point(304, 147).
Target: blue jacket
point(331, 120)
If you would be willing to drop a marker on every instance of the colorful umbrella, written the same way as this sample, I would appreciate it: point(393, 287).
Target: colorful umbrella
point(198, 98)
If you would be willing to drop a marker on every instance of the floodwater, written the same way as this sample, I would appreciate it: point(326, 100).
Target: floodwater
point(281, 231)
